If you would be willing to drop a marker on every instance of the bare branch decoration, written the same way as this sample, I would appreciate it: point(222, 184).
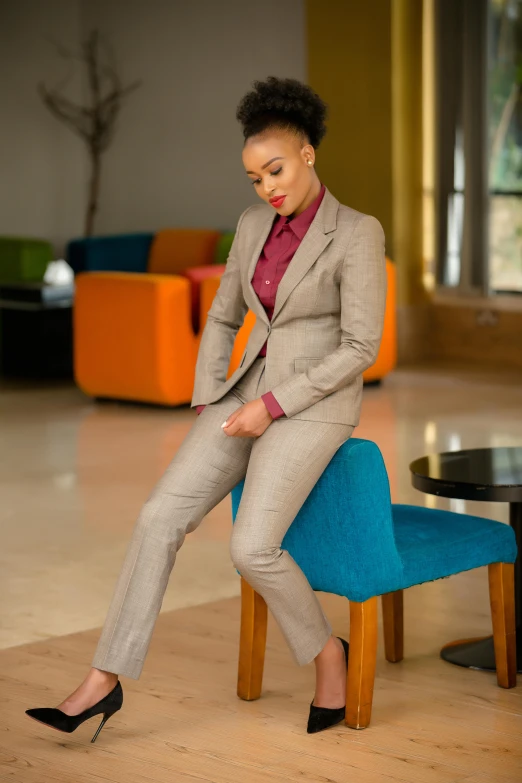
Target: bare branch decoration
point(96, 122)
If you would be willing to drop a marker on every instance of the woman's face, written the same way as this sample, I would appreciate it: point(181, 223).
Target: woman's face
point(276, 165)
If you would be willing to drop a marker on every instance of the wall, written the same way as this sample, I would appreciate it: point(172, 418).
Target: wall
point(365, 59)
point(477, 332)
point(176, 157)
point(349, 56)
point(41, 162)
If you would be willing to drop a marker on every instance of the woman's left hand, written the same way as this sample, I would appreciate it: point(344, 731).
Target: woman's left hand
point(250, 420)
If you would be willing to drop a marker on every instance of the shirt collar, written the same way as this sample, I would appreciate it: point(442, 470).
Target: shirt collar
point(301, 223)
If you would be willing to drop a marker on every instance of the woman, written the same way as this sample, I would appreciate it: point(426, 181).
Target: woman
point(313, 271)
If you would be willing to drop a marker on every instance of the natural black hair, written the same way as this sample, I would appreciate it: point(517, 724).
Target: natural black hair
point(283, 104)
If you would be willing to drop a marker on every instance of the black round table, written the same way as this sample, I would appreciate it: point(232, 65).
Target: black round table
point(493, 474)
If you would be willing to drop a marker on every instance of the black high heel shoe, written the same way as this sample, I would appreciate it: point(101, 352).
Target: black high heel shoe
point(322, 717)
point(59, 720)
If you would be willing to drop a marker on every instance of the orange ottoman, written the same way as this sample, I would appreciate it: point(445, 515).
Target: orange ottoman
point(133, 337)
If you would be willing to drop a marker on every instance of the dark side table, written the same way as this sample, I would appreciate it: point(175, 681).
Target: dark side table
point(36, 330)
point(493, 474)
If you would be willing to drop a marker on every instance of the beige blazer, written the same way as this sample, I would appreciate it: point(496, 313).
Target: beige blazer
point(327, 322)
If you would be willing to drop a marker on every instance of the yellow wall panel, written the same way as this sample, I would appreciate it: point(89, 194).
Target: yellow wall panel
point(349, 66)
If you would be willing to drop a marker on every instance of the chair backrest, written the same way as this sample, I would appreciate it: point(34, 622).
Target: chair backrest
point(23, 260)
point(343, 537)
point(176, 249)
point(223, 247)
point(113, 253)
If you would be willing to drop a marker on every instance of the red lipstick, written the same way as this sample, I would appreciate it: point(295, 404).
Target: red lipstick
point(277, 201)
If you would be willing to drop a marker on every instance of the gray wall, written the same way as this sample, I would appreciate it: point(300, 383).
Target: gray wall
point(42, 164)
point(176, 157)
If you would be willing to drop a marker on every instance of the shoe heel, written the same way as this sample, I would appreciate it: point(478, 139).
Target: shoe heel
point(106, 716)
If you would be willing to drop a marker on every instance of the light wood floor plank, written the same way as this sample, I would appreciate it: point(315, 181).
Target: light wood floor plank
point(182, 721)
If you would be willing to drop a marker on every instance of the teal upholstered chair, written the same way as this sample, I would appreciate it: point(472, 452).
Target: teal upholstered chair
point(350, 540)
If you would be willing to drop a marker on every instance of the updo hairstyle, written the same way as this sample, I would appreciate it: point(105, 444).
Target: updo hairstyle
point(283, 104)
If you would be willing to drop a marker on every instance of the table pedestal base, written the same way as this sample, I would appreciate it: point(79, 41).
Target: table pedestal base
point(478, 653)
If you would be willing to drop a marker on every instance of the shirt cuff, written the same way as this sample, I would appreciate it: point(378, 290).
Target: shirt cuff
point(199, 408)
point(273, 407)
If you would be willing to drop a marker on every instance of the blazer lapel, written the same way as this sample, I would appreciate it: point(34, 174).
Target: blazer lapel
point(264, 226)
point(316, 239)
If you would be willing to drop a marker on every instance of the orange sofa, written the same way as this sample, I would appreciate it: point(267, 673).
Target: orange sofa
point(135, 333)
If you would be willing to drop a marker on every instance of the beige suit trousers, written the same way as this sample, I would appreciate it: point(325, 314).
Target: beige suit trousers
point(280, 469)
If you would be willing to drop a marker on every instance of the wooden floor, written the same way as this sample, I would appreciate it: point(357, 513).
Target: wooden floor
point(182, 722)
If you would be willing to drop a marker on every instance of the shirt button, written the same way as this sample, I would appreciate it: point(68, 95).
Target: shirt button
point(267, 281)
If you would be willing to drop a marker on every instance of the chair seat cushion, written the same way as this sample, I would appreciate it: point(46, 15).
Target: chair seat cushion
point(350, 540)
point(434, 543)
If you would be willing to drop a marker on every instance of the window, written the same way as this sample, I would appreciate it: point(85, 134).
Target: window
point(478, 140)
point(505, 145)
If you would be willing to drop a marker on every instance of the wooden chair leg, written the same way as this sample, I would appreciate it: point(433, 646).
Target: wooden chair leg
point(361, 663)
point(393, 623)
point(252, 643)
point(502, 600)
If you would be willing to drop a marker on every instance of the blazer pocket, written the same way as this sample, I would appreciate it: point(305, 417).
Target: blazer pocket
point(303, 362)
point(243, 358)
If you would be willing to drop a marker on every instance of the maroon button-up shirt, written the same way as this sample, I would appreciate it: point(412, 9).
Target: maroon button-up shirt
point(285, 237)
